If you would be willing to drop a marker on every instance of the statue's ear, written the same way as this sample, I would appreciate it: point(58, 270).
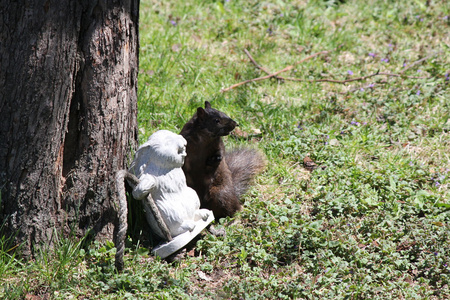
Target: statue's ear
point(201, 113)
point(207, 104)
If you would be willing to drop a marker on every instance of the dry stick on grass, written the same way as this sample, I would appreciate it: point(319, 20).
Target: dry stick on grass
point(334, 80)
point(372, 86)
point(275, 75)
point(419, 61)
point(400, 73)
point(353, 79)
point(256, 64)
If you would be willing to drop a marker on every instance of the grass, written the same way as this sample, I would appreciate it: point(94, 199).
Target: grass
point(371, 222)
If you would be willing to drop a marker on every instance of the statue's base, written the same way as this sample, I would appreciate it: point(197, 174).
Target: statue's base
point(178, 242)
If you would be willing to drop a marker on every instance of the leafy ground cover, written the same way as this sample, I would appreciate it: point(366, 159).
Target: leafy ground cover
point(370, 222)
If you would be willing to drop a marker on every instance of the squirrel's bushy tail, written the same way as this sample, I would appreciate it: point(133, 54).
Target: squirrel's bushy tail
point(244, 164)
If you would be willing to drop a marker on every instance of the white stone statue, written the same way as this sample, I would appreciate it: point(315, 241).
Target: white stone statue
point(157, 165)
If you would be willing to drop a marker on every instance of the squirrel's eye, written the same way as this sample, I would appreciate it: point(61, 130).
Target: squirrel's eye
point(217, 120)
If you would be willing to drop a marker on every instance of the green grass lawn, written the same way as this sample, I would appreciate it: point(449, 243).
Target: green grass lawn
point(371, 222)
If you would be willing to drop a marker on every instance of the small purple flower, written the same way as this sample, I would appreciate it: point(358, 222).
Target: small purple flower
point(354, 123)
point(386, 60)
point(350, 72)
point(447, 77)
point(173, 22)
point(445, 18)
point(411, 163)
point(418, 93)
point(326, 143)
point(364, 123)
point(362, 89)
point(404, 65)
point(418, 71)
point(371, 85)
point(372, 54)
point(437, 183)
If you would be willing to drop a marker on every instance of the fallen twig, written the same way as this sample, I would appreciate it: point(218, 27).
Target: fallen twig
point(398, 75)
point(419, 61)
point(333, 80)
point(274, 74)
point(255, 63)
point(370, 86)
point(257, 79)
point(352, 79)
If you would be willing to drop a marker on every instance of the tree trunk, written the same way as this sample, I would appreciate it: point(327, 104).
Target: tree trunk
point(68, 93)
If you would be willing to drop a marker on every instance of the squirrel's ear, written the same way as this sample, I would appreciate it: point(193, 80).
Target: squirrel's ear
point(200, 113)
point(207, 104)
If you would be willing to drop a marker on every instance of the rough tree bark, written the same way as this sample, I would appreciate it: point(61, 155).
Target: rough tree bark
point(68, 93)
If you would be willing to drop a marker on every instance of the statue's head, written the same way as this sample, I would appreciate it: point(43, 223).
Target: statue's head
point(167, 149)
point(163, 149)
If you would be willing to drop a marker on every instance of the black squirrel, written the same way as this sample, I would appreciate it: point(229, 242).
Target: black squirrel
point(220, 178)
